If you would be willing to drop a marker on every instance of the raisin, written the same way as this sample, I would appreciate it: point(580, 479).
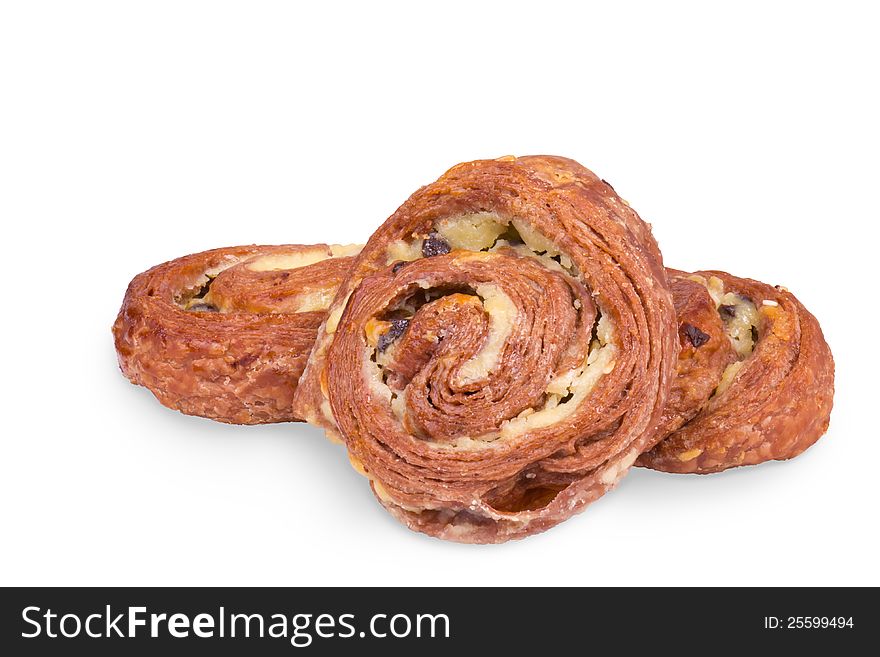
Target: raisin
point(695, 335)
point(435, 245)
point(398, 326)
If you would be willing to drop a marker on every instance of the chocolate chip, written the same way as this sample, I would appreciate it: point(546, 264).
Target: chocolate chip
point(435, 245)
point(397, 266)
point(695, 335)
point(727, 311)
point(398, 326)
point(202, 308)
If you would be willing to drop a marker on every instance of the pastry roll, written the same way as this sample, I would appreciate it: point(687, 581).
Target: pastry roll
point(755, 376)
point(715, 338)
point(501, 352)
point(225, 334)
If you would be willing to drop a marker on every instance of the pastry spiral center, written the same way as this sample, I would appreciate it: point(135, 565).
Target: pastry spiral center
point(478, 332)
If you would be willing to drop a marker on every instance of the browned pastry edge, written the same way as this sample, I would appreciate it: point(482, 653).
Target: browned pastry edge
point(778, 403)
point(507, 488)
point(225, 358)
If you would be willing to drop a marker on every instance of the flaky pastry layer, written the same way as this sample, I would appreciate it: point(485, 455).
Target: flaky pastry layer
point(225, 334)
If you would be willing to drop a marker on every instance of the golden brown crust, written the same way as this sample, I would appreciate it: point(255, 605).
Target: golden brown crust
point(777, 405)
point(226, 358)
point(434, 442)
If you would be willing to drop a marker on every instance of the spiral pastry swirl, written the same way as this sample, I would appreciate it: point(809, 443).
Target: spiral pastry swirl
point(225, 334)
point(501, 352)
point(755, 377)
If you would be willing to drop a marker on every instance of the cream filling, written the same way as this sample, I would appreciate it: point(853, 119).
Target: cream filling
point(745, 315)
point(483, 231)
point(546, 260)
point(502, 314)
point(727, 377)
point(315, 301)
point(714, 285)
point(403, 250)
point(612, 474)
point(309, 302)
point(472, 232)
point(345, 250)
point(539, 243)
point(739, 328)
point(333, 318)
point(304, 258)
point(373, 375)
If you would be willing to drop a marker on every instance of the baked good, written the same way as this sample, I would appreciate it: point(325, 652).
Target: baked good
point(755, 376)
point(501, 351)
point(225, 334)
point(718, 332)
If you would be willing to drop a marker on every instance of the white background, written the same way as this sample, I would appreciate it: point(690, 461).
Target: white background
point(132, 133)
